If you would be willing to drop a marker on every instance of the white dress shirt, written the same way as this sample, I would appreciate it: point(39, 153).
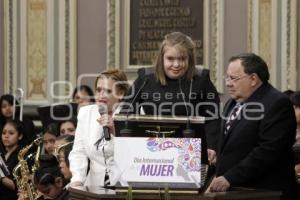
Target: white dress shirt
point(88, 132)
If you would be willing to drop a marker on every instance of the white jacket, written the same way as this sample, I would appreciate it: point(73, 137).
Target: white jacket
point(88, 132)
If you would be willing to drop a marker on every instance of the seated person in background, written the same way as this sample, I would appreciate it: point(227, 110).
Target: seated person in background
point(67, 127)
point(49, 137)
point(83, 95)
point(8, 112)
point(11, 137)
point(295, 98)
point(255, 144)
point(89, 143)
point(63, 158)
point(49, 181)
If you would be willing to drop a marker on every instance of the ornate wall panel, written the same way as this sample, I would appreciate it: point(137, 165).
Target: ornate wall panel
point(289, 45)
point(40, 49)
point(113, 34)
point(272, 34)
point(10, 46)
point(264, 38)
point(298, 44)
point(36, 50)
point(214, 48)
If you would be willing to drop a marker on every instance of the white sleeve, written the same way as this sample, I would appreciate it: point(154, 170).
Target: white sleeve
point(78, 158)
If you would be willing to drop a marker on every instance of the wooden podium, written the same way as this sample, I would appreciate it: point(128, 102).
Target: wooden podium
point(92, 193)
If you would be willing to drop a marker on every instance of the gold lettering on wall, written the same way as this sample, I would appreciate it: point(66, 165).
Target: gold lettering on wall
point(151, 20)
point(36, 49)
point(159, 2)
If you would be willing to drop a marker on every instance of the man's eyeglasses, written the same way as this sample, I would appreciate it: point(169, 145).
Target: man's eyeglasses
point(232, 78)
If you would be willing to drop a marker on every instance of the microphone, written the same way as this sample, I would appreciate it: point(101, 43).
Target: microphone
point(127, 131)
point(188, 132)
point(102, 110)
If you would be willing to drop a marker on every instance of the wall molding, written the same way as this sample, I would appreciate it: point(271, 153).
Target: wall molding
point(215, 63)
point(45, 55)
point(278, 46)
point(289, 44)
point(113, 34)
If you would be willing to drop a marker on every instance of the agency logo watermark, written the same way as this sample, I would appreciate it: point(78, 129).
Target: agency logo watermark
point(158, 102)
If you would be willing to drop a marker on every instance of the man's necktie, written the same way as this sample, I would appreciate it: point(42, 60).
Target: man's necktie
point(234, 114)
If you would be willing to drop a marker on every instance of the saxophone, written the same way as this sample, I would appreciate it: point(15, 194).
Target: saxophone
point(21, 173)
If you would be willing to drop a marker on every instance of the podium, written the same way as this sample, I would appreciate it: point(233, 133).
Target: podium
point(93, 193)
point(169, 154)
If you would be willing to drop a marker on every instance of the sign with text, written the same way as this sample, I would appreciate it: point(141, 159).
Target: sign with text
point(157, 162)
point(151, 20)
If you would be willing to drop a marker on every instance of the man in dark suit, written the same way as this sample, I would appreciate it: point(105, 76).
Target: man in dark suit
point(258, 132)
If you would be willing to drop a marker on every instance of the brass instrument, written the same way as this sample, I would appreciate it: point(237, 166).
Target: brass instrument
point(57, 149)
point(21, 173)
point(36, 164)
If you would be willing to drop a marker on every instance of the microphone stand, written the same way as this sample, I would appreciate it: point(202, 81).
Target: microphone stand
point(126, 131)
point(188, 132)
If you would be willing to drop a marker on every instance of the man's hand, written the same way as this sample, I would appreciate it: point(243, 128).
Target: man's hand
point(212, 156)
point(219, 184)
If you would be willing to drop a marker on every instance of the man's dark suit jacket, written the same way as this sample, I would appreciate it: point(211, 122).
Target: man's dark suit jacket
point(258, 153)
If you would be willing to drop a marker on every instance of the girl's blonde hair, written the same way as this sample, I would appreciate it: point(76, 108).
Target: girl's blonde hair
point(186, 44)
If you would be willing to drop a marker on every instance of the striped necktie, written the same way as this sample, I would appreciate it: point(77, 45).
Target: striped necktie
point(233, 115)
